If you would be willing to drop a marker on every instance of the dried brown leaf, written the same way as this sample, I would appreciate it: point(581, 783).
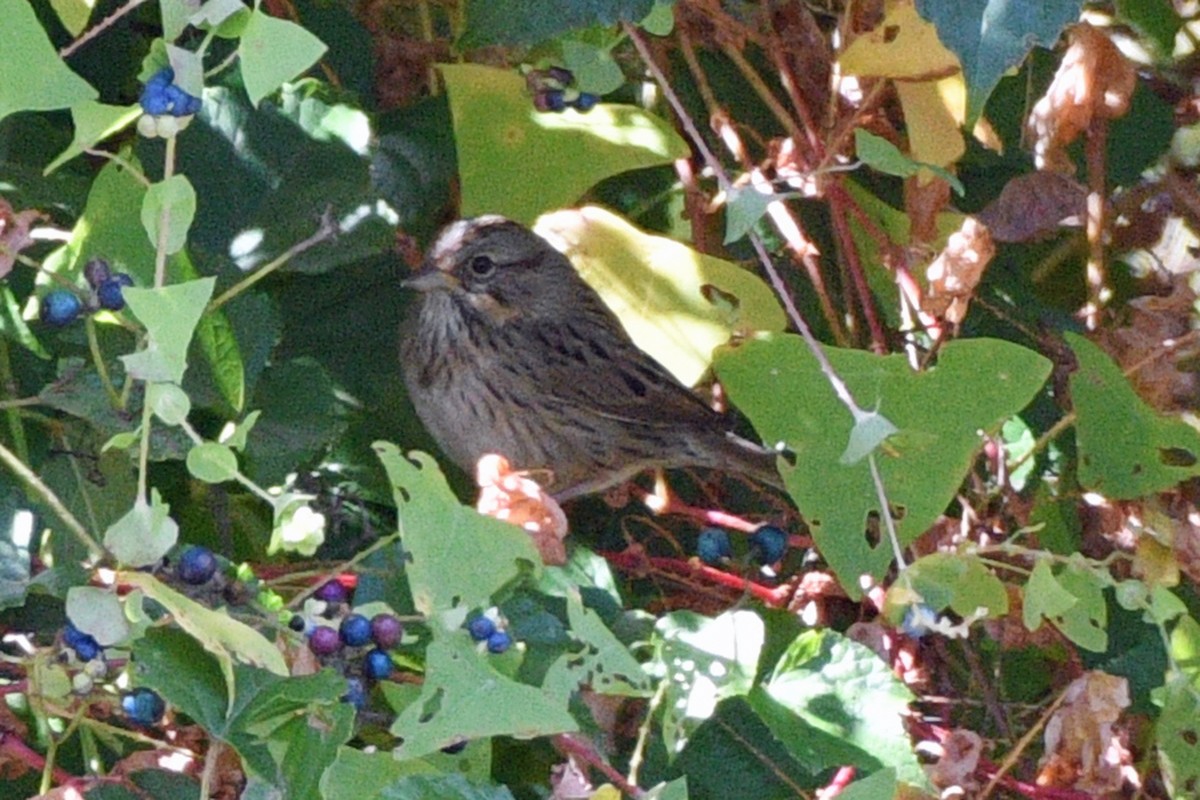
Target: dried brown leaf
point(1094, 81)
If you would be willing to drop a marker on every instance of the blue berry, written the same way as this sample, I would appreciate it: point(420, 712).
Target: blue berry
point(191, 105)
point(332, 592)
point(324, 640)
point(355, 630)
point(356, 693)
point(386, 630)
point(110, 291)
point(377, 665)
point(768, 544)
point(585, 102)
point(713, 546)
point(143, 706)
point(61, 307)
point(196, 566)
point(155, 102)
point(498, 642)
point(84, 644)
point(161, 79)
point(550, 100)
point(481, 628)
point(297, 623)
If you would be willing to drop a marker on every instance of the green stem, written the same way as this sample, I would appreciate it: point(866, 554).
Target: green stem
point(164, 220)
point(47, 495)
point(326, 230)
point(101, 367)
point(15, 427)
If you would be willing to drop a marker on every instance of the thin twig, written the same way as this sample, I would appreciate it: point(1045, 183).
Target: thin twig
point(327, 229)
point(106, 23)
point(47, 495)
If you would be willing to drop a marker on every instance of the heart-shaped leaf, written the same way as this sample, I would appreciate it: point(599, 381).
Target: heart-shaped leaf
point(976, 385)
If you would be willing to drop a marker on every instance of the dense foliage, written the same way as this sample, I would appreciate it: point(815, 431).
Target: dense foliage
point(943, 254)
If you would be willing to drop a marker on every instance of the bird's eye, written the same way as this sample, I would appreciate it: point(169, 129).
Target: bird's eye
point(482, 266)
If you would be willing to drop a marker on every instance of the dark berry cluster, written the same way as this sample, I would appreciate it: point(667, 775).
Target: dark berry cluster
point(61, 307)
point(553, 90)
point(354, 634)
point(169, 109)
point(162, 97)
point(768, 544)
point(483, 628)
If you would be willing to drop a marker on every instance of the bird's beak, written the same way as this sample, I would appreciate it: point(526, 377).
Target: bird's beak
point(430, 280)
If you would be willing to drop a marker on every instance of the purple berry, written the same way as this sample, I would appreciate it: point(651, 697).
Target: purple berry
point(386, 630)
point(355, 630)
point(498, 642)
point(550, 100)
point(377, 665)
point(196, 566)
point(324, 641)
point(332, 592)
point(96, 271)
point(481, 628)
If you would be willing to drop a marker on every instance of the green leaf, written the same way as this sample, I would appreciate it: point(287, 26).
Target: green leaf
point(144, 535)
point(169, 402)
point(225, 638)
point(991, 36)
point(676, 303)
point(530, 22)
point(170, 315)
point(1159, 21)
point(459, 557)
point(880, 154)
point(955, 581)
point(593, 66)
point(842, 687)
point(287, 729)
point(736, 754)
point(301, 416)
point(976, 385)
point(1086, 622)
point(212, 462)
point(32, 76)
point(463, 696)
point(868, 433)
point(1177, 735)
point(99, 613)
point(744, 207)
point(515, 161)
point(1126, 448)
point(274, 51)
point(443, 787)
point(94, 122)
point(73, 14)
point(1044, 597)
point(599, 661)
point(879, 785)
point(703, 661)
point(175, 198)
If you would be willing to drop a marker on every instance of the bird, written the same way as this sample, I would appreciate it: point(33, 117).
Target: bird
point(508, 350)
